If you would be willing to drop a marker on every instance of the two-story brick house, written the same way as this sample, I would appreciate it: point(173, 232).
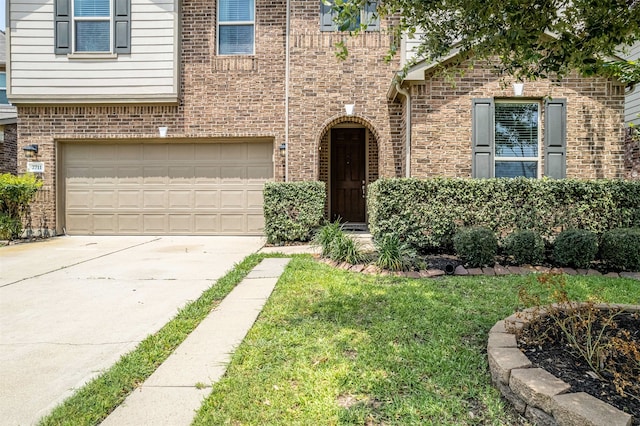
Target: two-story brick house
point(166, 117)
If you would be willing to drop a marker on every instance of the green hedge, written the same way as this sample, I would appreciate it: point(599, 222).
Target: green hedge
point(427, 212)
point(292, 210)
point(16, 193)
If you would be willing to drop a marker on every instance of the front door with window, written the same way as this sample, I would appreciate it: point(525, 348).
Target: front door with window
point(348, 174)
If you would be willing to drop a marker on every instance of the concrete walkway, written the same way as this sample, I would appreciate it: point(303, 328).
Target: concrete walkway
point(173, 394)
point(70, 307)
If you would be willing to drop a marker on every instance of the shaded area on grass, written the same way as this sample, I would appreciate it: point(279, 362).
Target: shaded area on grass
point(334, 347)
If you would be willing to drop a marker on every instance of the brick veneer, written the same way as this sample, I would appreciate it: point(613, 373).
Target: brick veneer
point(441, 136)
point(9, 149)
point(243, 97)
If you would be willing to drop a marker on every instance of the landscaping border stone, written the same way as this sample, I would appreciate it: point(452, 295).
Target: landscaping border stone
point(537, 394)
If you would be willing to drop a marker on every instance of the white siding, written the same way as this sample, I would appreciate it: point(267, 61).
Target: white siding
point(632, 103)
point(148, 73)
point(409, 46)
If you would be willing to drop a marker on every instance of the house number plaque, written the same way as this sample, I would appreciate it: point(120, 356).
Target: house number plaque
point(35, 166)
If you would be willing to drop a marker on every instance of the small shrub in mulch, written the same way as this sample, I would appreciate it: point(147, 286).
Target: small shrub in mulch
point(576, 248)
point(477, 246)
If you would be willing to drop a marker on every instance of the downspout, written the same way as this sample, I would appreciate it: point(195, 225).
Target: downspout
point(407, 142)
point(286, 93)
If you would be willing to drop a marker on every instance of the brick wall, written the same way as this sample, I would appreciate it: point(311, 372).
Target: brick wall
point(8, 149)
point(441, 136)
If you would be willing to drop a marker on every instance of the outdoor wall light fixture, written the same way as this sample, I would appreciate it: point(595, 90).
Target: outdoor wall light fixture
point(30, 151)
point(518, 88)
point(283, 149)
point(163, 131)
point(348, 108)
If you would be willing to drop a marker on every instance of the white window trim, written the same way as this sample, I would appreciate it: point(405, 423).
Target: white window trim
point(95, 19)
point(538, 159)
point(235, 23)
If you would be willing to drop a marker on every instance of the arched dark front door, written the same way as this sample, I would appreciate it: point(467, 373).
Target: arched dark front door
point(348, 174)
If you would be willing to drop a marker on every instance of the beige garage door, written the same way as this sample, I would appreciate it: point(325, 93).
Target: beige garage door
point(160, 189)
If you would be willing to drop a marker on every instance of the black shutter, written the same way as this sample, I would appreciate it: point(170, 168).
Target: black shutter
point(482, 137)
point(371, 17)
point(326, 17)
point(62, 27)
point(122, 26)
point(555, 138)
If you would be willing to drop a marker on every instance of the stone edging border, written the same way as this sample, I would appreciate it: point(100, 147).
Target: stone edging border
point(496, 270)
point(537, 394)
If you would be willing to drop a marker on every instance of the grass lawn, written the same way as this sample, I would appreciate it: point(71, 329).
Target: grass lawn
point(334, 347)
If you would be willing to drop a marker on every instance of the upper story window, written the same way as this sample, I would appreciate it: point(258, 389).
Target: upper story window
point(236, 27)
point(3, 88)
point(517, 139)
point(368, 16)
point(92, 26)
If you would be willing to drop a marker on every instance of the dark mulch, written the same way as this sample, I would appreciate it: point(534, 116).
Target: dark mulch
point(555, 357)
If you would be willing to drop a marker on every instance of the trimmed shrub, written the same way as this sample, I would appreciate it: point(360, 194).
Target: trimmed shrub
point(292, 210)
point(394, 254)
point(477, 246)
point(426, 212)
point(525, 246)
point(620, 249)
point(575, 247)
point(16, 193)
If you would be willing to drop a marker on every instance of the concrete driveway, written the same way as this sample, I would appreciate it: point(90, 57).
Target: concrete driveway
point(71, 306)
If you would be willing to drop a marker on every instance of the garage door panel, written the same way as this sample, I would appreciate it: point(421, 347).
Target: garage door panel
point(154, 199)
point(155, 175)
point(206, 223)
point(207, 199)
point(232, 223)
point(207, 152)
point(79, 198)
point(181, 175)
point(153, 152)
point(104, 199)
point(104, 223)
point(129, 199)
point(139, 188)
point(180, 199)
point(233, 175)
point(255, 223)
point(184, 152)
point(79, 175)
point(129, 175)
point(104, 153)
point(129, 223)
point(233, 152)
point(258, 173)
point(232, 199)
point(129, 152)
point(82, 223)
point(259, 151)
point(180, 223)
point(255, 199)
point(155, 223)
point(207, 175)
point(104, 175)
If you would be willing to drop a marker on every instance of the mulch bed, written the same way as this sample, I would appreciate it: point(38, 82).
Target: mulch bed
point(555, 357)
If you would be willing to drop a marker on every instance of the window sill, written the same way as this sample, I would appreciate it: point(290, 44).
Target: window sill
point(90, 55)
